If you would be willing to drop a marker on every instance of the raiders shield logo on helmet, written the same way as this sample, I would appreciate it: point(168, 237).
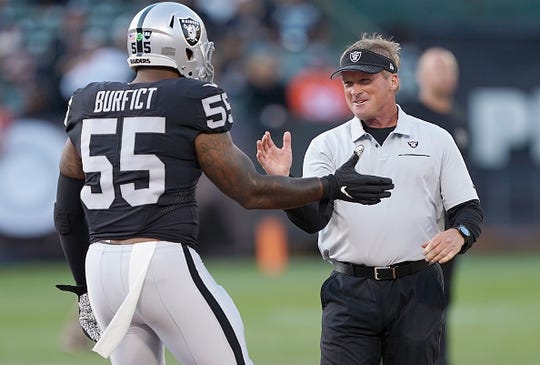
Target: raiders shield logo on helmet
point(191, 29)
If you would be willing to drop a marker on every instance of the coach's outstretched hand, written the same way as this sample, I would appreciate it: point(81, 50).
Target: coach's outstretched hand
point(347, 184)
point(86, 316)
point(344, 184)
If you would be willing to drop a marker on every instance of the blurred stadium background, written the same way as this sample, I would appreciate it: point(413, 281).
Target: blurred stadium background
point(273, 58)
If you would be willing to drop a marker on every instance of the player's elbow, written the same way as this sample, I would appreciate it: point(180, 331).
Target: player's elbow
point(249, 202)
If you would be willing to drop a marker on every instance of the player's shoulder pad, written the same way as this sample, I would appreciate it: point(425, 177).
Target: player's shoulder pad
point(92, 87)
point(80, 101)
point(88, 91)
point(200, 89)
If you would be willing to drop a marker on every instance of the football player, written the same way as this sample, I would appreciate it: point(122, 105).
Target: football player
point(126, 210)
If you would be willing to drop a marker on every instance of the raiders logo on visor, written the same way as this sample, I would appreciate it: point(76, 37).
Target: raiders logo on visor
point(355, 56)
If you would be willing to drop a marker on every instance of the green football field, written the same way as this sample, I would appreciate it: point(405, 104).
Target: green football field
point(494, 320)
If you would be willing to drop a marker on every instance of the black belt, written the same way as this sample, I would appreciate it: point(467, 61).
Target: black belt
point(391, 272)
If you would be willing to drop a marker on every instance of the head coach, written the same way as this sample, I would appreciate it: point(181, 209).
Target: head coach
point(384, 299)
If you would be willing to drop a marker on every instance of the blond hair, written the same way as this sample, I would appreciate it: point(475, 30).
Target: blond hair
point(376, 43)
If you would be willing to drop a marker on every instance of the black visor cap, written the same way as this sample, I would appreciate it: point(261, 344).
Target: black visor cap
point(365, 61)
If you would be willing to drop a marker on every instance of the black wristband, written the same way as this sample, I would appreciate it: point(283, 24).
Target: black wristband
point(328, 182)
point(77, 289)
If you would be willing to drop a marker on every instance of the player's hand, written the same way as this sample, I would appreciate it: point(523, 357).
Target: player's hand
point(274, 160)
point(87, 319)
point(347, 184)
point(443, 246)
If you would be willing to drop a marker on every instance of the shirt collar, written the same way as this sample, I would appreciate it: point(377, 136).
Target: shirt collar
point(404, 124)
point(357, 129)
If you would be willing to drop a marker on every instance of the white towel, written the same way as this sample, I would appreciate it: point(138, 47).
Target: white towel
point(116, 330)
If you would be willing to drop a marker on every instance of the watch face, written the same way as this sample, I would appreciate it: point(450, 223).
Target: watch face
point(464, 231)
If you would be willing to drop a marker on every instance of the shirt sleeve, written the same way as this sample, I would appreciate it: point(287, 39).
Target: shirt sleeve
point(318, 160)
point(470, 215)
point(315, 216)
point(456, 183)
point(312, 217)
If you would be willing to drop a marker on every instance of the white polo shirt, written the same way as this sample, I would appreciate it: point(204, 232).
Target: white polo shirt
point(429, 176)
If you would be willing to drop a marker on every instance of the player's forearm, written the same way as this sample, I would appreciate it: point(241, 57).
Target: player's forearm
point(235, 175)
point(279, 192)
point(255, 191)
point(71, 226)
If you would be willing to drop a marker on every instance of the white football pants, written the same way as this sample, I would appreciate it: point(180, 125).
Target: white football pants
point(180, 307)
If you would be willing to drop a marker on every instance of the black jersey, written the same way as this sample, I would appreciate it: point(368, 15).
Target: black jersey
point(136, 142)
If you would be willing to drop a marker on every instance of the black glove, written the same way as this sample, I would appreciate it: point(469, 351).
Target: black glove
point(346, 184)
point(86, 316)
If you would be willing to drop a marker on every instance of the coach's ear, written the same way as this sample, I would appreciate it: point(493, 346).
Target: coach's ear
point(394, 82)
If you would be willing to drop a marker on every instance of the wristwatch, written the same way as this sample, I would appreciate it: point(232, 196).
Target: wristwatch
point(464, 232)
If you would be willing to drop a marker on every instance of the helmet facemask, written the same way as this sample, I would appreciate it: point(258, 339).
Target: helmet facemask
point(206, 73)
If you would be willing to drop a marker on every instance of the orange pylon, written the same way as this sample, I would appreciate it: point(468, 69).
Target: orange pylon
point(271, 245)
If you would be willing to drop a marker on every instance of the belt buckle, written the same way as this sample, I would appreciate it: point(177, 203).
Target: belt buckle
point(377, 273)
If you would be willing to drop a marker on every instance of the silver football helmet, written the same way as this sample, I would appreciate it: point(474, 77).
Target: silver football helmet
point(172, 35)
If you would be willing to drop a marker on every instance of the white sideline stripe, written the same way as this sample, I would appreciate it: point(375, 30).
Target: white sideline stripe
point(138, 266)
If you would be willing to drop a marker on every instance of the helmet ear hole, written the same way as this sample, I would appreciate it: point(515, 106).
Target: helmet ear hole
point(189, 54)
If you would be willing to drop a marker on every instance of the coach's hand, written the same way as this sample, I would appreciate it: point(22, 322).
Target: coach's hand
point(346, 184)
point(86, 316)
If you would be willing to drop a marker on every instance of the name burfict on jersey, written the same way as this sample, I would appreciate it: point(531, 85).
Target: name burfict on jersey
point(121, 100)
